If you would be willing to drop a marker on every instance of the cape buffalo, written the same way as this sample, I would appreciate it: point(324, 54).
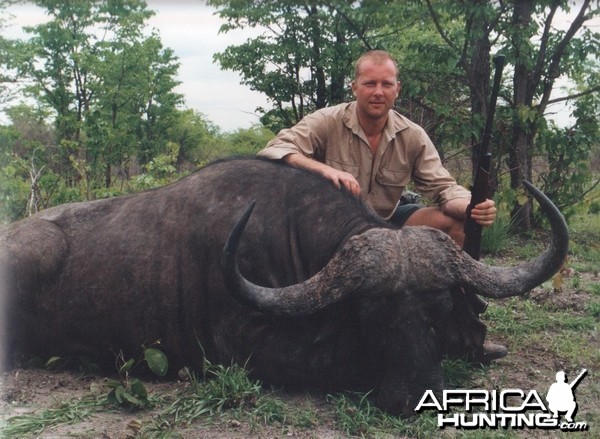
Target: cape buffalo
point(326, 294)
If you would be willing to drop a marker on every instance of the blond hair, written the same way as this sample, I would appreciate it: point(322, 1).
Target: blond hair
point(378, 57)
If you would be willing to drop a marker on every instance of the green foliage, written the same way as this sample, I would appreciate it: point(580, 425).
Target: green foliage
point(222, 388)
point(33, 424)
point(568, 175)
point(248, 141)
point(356, 416)
point(569, 179)
point(159, 171)
point(130, 392)
point(81, 363)
point(156, 361)
point(110, 95)
point(14, 191)
point(497, 236)
point(199, 140)
point(585, 243)
point(303, 58)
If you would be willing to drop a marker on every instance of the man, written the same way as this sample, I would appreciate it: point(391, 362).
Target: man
point(374, 152)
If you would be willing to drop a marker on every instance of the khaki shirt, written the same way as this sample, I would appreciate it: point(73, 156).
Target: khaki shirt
point(333, 136)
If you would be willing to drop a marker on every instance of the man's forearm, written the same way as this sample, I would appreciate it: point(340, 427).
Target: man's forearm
point(336, 177)
point(456, 208)
point(301, 162)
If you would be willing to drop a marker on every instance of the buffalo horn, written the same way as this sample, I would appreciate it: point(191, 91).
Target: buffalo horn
point(382, 261)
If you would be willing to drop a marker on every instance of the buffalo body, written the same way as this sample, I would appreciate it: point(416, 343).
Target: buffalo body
point(361, 303)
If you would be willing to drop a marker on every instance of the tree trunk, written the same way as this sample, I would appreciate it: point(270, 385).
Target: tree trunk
point(520, 169)
point(337, 92)
point(519, 159)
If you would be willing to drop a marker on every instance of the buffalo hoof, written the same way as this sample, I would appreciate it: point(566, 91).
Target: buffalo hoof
point(489, 352)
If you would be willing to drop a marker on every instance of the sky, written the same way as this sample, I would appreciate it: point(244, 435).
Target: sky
point(191, 30)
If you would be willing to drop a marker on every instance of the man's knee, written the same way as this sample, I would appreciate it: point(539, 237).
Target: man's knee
point(430, 216)
point(434, 217)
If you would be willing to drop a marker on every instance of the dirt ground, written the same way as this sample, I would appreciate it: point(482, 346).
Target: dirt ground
point(27, 390)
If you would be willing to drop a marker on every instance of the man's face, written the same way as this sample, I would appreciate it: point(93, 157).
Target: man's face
point(376, 88)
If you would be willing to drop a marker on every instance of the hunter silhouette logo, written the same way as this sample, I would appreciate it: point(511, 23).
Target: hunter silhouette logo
point(560, 396)
point(508, 408)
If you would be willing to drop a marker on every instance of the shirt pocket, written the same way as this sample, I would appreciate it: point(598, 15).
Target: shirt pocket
point(398, 177)
point(350, 168)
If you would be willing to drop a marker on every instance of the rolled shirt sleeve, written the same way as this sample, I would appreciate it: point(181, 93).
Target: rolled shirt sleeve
point(305, 138)
point(432, 179)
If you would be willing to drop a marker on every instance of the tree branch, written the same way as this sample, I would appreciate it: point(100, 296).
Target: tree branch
point(590, 189)
point(439, 27)
point(554, 67)
point(360, 34)
point(541, 58)
point(574, 96)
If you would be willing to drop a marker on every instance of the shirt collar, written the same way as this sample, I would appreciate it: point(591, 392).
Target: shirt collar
point(395, 123)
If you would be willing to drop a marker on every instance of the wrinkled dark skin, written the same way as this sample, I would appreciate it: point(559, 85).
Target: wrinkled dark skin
point(112, 275)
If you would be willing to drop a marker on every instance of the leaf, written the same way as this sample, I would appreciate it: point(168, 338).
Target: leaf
point(113, 383)
point(132, 399)
point(111, 398)
point(127, 366)
point(521, 197)
point(157, 361)
point(557, 281)
point(119, 394)
point(53, 362)
point(138, 389)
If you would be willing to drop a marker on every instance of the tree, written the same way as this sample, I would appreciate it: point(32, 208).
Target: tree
point(471, 47)
point(540, 52)
point(198, 139)
point(109, 85)
point(27, 178)
point(568, 178)
point(248, 141)
point(538, 63)
point(6, 79)
point(302, 58)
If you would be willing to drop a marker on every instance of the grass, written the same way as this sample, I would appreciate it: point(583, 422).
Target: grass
point(552, 328)
point(496, 237)
point(69, 412)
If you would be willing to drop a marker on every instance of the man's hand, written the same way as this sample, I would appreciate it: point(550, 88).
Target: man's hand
point(336, 177)
point(341, 178)
point(484, 213)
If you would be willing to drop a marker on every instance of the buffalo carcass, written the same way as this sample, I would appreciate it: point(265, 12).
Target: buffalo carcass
point(349, 298)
